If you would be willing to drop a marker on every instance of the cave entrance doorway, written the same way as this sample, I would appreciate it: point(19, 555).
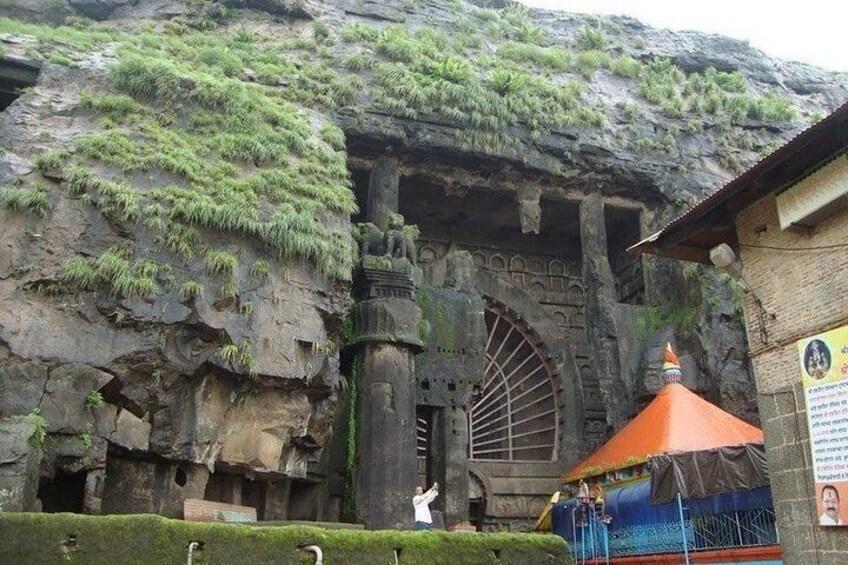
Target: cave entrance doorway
point(623, 229)
point(515, 416)
point(15, 76)
point(65, 492)
point(304, 500)
point(234, 488)
point(476, 502)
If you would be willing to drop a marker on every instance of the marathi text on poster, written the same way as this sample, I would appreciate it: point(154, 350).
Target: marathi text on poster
point(824, 374)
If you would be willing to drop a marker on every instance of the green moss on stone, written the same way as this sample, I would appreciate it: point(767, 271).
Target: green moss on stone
point(153, 540)
point(348, 510)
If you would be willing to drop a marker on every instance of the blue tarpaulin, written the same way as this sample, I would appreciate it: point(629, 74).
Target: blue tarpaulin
point(629, 506)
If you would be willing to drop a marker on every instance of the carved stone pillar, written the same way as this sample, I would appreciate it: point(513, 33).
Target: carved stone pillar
point(93, 493)
point(448, 460)
point(601, 306)
point(450, 370)
point(277, 499)
point(385, 319)
point(529, 209)
point(382, 192)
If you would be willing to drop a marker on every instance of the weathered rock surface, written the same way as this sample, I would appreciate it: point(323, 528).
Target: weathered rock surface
point(71, 454)
point(151, 356)
point(294, 8)
point(21, 388)
point(131, 432)
point(56, 12)
point(20, 457)
point(63, 405)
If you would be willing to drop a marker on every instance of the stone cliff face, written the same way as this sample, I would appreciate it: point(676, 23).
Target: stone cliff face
point(176, 253)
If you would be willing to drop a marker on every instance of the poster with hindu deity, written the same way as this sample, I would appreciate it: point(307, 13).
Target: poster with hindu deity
point(824, 373)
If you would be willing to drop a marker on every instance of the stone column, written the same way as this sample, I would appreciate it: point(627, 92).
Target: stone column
point(92, 500)
point(601, 307)
point(451, 446)
point(449, 371)
point(382, 192)
point(386, 330)
point(277, 499)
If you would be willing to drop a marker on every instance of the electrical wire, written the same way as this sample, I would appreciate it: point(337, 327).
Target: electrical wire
point(817, 248)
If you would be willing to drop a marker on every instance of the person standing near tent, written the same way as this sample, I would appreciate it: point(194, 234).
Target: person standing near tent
point(600, 503)
point(583, 492)
point(584, 499)
point(421, 502)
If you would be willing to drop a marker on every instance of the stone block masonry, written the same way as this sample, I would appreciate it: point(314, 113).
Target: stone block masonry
point(802, 293)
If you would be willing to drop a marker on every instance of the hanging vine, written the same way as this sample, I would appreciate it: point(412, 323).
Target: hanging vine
point(349, 500)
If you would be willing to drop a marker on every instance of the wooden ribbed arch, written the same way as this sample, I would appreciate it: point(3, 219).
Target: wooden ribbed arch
point(515, 416)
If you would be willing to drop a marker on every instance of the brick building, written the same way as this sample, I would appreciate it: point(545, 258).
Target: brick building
point(786, 222)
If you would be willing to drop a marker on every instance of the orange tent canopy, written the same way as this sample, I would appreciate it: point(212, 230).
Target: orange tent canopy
point(677, 420)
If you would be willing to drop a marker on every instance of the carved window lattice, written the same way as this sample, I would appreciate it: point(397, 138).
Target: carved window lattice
point(515, 416)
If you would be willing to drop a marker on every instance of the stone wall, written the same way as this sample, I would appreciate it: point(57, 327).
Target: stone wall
point(152, 540)
point(802, 294)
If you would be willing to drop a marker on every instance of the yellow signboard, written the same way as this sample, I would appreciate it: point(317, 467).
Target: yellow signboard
point(824, 373)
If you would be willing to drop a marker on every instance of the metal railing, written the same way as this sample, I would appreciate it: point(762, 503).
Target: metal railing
point(734, 529)
point(592, 539)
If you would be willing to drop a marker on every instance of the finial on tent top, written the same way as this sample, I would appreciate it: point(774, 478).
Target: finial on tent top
point(671, 367)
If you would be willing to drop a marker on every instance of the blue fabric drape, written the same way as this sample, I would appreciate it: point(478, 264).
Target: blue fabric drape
point(629, 506)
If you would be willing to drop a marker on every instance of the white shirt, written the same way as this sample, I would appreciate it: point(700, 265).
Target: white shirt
point(825, 520)
point(421, 502)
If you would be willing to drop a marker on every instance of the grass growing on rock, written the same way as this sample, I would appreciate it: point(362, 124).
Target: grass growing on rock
point(244, 123)
point(217, 107)
point(28, 200)
point(419, 76)
point(220, 262)
point(531, 84)
point(190, 289)
point(239, 154)
point(709, 93)
point(237, 354)
point(114, 271)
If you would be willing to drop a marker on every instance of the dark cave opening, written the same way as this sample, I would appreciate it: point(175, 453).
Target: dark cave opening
point(63, 493)
point(16, 75)
point(623, 226)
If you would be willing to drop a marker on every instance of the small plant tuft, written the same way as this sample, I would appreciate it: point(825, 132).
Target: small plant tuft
point(507, 82)
point(260, 269)
point(40, 423)
point(190, 289)
point(31, 200)
point(220, 262)
point(86, 439)
point(228, 353)
point(94, 399)
point(591, 38)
